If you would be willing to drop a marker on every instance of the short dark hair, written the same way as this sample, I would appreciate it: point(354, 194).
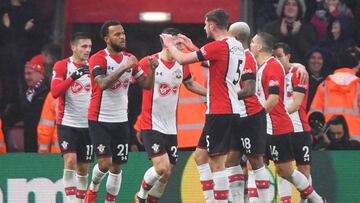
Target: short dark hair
point(78, 35)
point(285, 47)
point(104, 31)
point(171, 31)
point(267, 41)
point(54, 50)
point(219, 16)
point(346, 59)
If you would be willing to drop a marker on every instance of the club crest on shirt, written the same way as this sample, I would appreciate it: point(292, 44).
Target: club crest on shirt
point(155, 148)
point(177, 77)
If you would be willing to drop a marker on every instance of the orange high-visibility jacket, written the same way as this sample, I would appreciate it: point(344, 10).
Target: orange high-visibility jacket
point(340, 94)
point(47, 131)
point(2, 140)
point(191, 110)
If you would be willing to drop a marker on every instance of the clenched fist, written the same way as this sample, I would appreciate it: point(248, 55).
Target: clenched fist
point(83, 70)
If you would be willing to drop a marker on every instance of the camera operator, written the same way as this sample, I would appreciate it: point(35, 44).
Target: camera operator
point(334, 135)
point(339, 135)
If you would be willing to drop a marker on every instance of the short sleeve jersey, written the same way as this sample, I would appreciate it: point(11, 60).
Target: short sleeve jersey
point(226, 58)
point(110, 105)
point(73, 105)
point(159, 104)
point(271, 80)
point(298, 118)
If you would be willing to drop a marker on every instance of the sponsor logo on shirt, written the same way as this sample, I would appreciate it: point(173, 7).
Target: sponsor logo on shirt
point(274, 83)
point(165, 89)
point(120, 84)
point(77, 87)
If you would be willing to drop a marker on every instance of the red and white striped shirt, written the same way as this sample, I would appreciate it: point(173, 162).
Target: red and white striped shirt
point(226, 58)
point(159, 105)
point(298, 118)
point(250, 105)
point(74, 96)
point(271, 80)
point(111, 105)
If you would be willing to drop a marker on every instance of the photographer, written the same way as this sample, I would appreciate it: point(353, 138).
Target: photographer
point(339, 135)
point(334, 135)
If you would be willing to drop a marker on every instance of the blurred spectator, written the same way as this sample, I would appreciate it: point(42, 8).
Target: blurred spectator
point(31, 103)
point(291, 29)
point(18, 26)
point(338, 37)
point(339, 135)
point(50, 53)
point(46, 129)
point(326, 10)
point(319, 66)
point(339, 95)
point(2, 140)
point(355, 52)
point(265, 12)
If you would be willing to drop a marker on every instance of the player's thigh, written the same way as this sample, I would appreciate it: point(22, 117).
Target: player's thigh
point(170, 141)
point(85, 149)
point(100, 138)
point(280, 148)
point(68, 139)
point(301, 142)
point(120, 136)
point(153, 143)
point(218, 130)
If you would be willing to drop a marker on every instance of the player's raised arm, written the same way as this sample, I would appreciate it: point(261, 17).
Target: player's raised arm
point(182, 58)
point(147, 82)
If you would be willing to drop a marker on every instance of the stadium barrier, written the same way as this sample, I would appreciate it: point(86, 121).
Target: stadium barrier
point(37, 178)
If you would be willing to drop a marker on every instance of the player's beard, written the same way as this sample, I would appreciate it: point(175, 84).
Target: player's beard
point(117, 48)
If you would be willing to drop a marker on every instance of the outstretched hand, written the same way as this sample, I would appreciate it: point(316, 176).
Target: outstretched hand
point(167, 39)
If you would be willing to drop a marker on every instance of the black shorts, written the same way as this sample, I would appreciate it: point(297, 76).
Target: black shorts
point(302, 147)
point(75, 140)
point(217, 133)
point(110, 139)
point(280, 148)
point(250, 135)
point(157, 143)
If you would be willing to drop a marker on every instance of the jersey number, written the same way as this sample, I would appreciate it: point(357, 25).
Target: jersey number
point(236, 81)
point(123, 151)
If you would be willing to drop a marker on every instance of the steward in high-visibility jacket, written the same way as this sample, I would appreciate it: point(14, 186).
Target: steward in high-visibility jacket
point(2, 140)
point(340, 94)
point(46, 129)
point(191, 109)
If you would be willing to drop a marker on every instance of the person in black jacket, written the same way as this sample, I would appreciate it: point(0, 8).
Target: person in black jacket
point(30, 105)
point(291, 29)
